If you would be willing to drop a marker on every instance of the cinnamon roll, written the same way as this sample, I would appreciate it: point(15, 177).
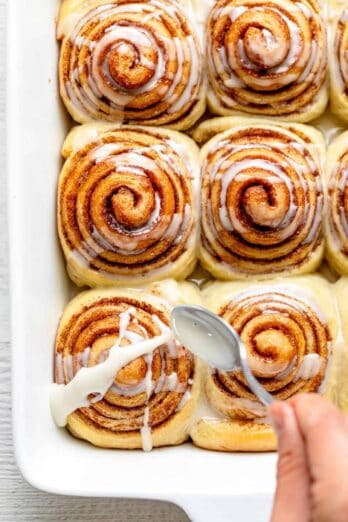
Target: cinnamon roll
point(262, 198)
point(268, 58)
point(127, 205)
point(337, 201)
point(130, 61)
point(289, 330)
point(338, 59)
point(151, 400)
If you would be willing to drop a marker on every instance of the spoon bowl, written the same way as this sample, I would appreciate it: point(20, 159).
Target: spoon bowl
point(212, 339)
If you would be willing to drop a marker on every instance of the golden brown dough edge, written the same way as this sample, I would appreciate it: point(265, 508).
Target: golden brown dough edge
point(233, 435)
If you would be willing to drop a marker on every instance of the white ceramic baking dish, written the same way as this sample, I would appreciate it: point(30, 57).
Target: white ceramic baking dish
point(210, 486)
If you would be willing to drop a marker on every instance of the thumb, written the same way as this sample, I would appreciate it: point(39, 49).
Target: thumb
point(291, 502)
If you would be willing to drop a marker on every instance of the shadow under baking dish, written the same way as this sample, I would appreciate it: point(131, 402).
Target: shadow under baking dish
point(208, 485)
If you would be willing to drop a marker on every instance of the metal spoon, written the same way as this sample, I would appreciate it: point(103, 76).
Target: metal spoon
point(211, 338)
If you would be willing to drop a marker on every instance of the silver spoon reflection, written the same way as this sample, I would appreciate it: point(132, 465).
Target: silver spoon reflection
point(212, 339)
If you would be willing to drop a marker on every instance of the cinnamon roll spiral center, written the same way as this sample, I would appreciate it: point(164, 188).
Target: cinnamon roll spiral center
point(265, 36)
point(266, 204)
point(128, 68)
point(271, 344)
point(132, 374)
point(134, 203)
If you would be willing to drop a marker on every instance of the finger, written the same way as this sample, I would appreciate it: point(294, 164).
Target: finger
point(325, 433)
point(324, 430)
point(291, 502)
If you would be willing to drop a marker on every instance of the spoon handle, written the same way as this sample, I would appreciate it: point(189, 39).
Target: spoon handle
point(262, 394)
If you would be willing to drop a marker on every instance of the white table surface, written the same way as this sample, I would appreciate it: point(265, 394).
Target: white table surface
point(19, 501)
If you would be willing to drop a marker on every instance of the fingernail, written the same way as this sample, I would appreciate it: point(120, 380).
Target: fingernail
point(278, 417)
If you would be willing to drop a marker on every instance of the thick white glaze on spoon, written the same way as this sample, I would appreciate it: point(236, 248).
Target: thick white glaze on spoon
point(204, 341)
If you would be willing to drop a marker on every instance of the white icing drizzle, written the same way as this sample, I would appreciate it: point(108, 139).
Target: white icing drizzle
point(206, 411)
point(252, 406)
point(59, 369)
point(310, 63)
point(316, 221)
point(173, 229)
point(130, 391)
point(288, 290)
point(234, 12)
point(184, 400)
point(65, 365)
point(171, 382)
point(310, 367)
point(84, 356)
point(185, 223)
point(172, 348)
point(146, 434)
point(282, 375)
point(124, 322)
point(162, 377)
point(105, 152)
point(192, 81)
point(68, 366)
point(83, 255)
point(65, 399)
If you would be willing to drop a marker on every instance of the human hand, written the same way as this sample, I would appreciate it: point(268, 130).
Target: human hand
point(313, 461)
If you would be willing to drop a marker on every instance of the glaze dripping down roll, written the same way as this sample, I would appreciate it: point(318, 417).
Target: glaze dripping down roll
point(262, 198)
point(289, 329)
point(152, 399)
point(127, 205)
point(268, 58)
point(337, 214)
point(130, 61)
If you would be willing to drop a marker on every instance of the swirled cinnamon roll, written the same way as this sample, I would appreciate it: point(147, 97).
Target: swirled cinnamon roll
point(262, 198)
point(151, 400)
point(127, 205)
point(338, 59)
point(130, 61)
point(337, 202)
point(289, 330)
point(268, 58)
